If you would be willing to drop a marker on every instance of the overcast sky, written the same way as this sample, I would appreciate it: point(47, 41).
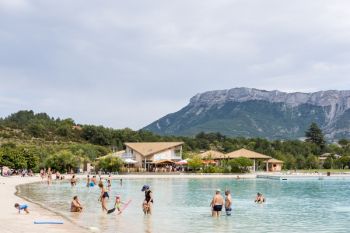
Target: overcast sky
point(128, 63)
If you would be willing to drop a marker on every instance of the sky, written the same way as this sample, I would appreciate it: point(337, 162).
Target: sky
point(127, 63)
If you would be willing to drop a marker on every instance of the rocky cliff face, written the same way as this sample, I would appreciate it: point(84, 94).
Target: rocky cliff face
point(252, 112)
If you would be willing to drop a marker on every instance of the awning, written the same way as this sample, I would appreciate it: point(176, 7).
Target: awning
point(163, 161)
point(130, 161)
point(182, 162)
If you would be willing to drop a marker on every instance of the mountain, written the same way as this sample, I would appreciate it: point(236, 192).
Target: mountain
point(258, 113)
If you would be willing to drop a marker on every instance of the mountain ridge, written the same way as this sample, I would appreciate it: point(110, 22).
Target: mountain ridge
point(330, 109)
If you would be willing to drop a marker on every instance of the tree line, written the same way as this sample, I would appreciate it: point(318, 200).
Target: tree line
point(56, 140)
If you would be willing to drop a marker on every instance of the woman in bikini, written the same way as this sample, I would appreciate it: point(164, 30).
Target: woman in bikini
point(103, 196)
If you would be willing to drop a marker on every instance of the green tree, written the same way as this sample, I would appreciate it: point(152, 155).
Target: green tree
point(312, 162)
point(63, 161)
point(328, 163)
point(195, 162)
point(110, 164)
point(314, 135)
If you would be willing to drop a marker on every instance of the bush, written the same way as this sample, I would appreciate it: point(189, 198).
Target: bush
point(239, 165)
point(195, 163)
point(63, 161)
point(212, 169)
point(110, 164)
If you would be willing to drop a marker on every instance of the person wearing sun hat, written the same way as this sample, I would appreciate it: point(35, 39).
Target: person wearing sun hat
point(147, 203)
point(217, 203)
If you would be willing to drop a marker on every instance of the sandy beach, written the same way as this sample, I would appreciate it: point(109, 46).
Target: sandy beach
point(12, 222)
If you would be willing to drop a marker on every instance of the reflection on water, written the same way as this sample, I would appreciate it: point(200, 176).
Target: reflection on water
point(182, 205)
point(147, 224)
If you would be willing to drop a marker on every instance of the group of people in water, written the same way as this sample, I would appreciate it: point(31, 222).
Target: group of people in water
point(217, 204)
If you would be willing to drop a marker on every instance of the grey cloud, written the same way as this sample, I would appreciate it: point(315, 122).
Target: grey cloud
point(127, 63)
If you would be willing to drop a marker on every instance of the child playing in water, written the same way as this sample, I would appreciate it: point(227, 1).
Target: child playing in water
point(118, 204)
point(22, 207)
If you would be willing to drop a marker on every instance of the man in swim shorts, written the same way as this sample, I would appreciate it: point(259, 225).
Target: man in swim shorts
point(217, 203)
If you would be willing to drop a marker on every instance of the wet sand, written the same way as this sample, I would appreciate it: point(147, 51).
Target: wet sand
point(13, 222)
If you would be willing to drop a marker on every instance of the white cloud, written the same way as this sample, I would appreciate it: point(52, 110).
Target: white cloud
point(127, 63)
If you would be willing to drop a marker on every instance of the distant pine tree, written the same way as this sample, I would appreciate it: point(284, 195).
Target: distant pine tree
point(314, 135)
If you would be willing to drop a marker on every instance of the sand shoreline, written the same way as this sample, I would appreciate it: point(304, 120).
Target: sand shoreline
point(12, 222)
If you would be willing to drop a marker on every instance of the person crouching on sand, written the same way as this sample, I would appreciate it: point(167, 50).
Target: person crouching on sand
point(23, 207)
point(103, 196)
point(217, 203)
point(75, 205)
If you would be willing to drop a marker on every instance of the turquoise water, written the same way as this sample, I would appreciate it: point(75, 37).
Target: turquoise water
point(182, 205)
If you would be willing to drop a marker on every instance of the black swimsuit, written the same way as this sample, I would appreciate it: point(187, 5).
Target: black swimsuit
point(105, 194)
point(148, 196)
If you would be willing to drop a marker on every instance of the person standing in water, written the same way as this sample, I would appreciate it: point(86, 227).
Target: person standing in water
point(49, 176)
point(73, 181)
point(103, 196)
point(228, 202)
point(217, 203)
point(148, 202)
point(93, 180)
point(109, 182)
point(88, 181)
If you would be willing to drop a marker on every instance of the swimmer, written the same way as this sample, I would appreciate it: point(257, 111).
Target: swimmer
point(73, 181)
point(228, 202)
point(217, 203)
point(103, 196)
point(259, 198)
point(75, 205)
point(23, 207)
point(121, 182)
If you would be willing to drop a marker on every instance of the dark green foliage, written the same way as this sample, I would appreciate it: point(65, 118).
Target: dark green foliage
point(328, 163)
point(314, 135)
point(312, 162)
